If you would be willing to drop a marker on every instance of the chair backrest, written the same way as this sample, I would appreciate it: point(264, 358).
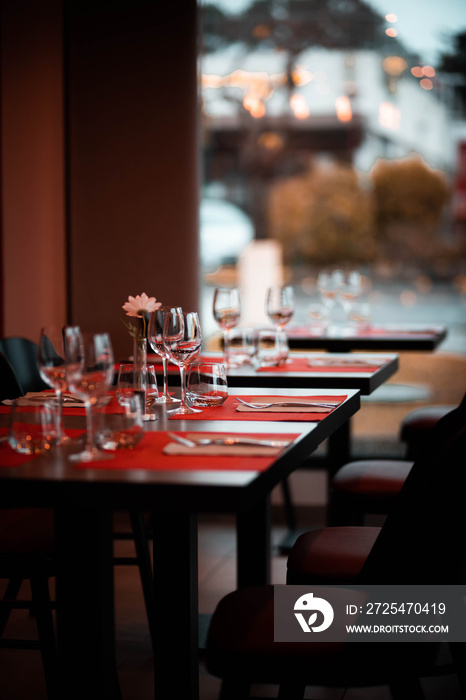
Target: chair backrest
point(10, 387)
point(21, 353)
point(423, 539)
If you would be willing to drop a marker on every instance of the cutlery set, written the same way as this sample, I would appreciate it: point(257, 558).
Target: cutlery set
point(288, 404)
point(232, 440)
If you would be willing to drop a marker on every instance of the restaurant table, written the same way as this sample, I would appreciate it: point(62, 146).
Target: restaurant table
point(84, 498)
point(363, 371)
point(388, 337)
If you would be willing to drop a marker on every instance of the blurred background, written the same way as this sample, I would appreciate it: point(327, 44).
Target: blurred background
point(337, 130)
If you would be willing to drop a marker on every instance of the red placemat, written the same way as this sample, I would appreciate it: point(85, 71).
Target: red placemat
point(148, 455)
point(228, 410)
point(301, 364)
point(10, 458)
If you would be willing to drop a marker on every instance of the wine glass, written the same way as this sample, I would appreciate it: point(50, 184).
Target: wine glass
point(328, 284)
point(279, 305)
point(52, 368)
point(182, 339)
point(227, 311)
point(155, 338)
point(89, 373)
point(351, 289)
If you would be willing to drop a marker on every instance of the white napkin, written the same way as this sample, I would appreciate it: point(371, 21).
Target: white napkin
point(173, 448)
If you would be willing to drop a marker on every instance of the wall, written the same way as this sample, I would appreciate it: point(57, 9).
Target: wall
point(32, 167)
point(133, 159)
point(100, 161)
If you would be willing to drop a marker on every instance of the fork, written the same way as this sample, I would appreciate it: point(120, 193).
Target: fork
point(200, 442)
point(287, 404)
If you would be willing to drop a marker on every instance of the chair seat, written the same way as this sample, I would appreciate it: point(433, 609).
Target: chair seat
point(372, 478)
point(330, 555)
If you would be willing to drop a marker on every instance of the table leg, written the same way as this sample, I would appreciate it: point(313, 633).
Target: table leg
point(176, 643)
point(339, 453)
point(85, 605)
point(253, 545)
point(339, 448)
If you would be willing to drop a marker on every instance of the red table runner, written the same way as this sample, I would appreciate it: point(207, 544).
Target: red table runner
point(148, 455)
point(228, 410)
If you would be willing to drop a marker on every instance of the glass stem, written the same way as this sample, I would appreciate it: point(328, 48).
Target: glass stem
point(59, 397)
point(225, 346)
point(183, 385)
point(90, 444)
point(165, 376)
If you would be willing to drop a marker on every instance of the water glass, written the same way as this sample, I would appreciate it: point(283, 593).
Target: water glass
point(33, 430)
point(271, 348)
point(125, 384)
point(241, 346)
point(360, 316)
point(207, 384)
point(114, 431)
point(318, 313)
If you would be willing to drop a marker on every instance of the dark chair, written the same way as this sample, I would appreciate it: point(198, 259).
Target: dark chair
point(10, 387)
point(416, 424)
point(371, 486)
point(366, 487)
point(27, 553)
point(21, 353)
point(421, 541)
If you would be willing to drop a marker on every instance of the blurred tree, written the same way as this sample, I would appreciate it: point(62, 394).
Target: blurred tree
point(295, 25)
point(410, 199)
point(325, 216)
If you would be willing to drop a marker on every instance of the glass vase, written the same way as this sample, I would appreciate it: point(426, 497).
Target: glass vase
point(140, 369)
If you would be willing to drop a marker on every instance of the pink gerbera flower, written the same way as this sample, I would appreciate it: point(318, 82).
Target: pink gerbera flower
point(141, 305)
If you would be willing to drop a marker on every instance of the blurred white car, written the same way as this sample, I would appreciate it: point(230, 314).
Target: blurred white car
point(225, 231)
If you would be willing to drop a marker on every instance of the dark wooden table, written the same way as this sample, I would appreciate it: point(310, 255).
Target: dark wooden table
point(384, 338)
point(84, 500)
point(308, 370)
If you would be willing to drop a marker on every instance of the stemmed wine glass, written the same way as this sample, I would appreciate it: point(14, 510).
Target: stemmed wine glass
point(155, 338)
point(182, 339)
point(329, 285)
point(89, 373)
point(52, 368)
point(279, 305)
point(227, 312)
point(351, 289)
